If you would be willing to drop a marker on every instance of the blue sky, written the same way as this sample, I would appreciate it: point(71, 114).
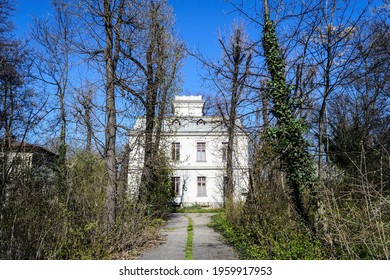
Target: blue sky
point(197, 23)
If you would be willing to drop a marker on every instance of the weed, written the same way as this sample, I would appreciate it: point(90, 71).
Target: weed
point(190, 238)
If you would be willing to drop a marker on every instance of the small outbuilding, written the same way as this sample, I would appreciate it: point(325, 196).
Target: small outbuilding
point(16, 156)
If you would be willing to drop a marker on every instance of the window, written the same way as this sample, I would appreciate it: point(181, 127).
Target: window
point(175, 185)
point(200, 122)
point(176, 122)
point(175, 151)
point(224, 151)
point(201, 152)
point(201, 186)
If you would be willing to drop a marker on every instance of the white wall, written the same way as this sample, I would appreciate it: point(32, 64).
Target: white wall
point(188, 168)
point(188, 130)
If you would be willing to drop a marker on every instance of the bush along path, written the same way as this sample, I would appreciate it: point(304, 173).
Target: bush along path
point(187, 236)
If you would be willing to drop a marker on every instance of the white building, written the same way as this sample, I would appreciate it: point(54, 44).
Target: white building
point(197, 146)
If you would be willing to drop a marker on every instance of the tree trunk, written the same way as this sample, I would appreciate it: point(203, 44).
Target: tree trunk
point(147, 171)
point(266, 10)
point(110, 131)
point(88, 121)
point(327, 92)
point(264, 106)
point(289, 140)
point(153, 81)
point(231, 128)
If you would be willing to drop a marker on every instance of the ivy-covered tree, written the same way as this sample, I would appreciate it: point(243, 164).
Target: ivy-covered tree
point(287, 137)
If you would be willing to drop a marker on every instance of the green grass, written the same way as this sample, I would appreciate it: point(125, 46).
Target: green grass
point(198, 209)
point(190, 238)
point(254, 241)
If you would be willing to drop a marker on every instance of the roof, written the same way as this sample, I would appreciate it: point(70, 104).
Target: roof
point(28, 147)
point(188, 118)
point(193, 124)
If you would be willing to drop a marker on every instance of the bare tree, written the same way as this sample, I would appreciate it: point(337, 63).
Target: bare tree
point(155, 53)
point(112, 19)
point(231, 76)
point(84, 113)
point(359, 114)
point(20, 109)
point(330, 49)
point(134, 41)
point(103, 25)
point(55, 36)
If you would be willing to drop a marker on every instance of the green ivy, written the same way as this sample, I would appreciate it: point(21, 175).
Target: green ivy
point(287, 138)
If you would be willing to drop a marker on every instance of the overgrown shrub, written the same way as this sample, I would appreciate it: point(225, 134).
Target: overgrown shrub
point(87, 237)
point(266, 225)
point(32, 217)
point(259, 237)
point(40, 222)
point(353, 221)
point(159, 195)
point(357, 213)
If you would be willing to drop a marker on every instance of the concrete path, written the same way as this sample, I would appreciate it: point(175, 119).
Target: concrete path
point(207, 244)
point(175, 240)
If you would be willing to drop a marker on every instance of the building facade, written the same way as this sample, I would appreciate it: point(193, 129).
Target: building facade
point(197, 148)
